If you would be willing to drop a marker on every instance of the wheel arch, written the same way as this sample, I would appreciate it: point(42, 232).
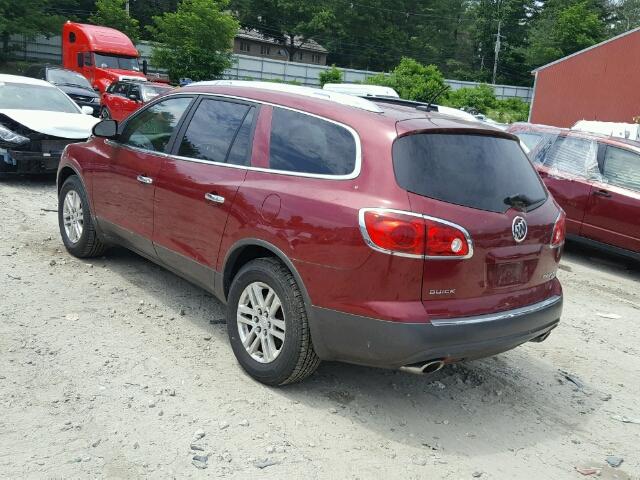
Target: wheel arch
point(249, 249)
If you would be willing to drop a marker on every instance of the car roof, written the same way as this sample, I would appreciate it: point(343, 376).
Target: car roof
point(347, 109)
point(26, 80)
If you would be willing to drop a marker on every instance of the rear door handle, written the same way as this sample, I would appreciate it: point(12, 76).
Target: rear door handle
point(145, 180)
point(212, 197)
point(602, 193)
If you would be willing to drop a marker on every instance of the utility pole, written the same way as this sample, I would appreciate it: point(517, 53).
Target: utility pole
point(126, 7)
point(497, 53)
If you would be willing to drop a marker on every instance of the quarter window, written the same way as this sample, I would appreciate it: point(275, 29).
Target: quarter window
point(212, 130)
point(152, 128)
point(622, 168)
point(240, 153)
point(306, 144)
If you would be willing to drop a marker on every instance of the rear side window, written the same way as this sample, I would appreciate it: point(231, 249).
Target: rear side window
point(622, 168)
point(476, 171)
point(305, 144)
point(212, 130)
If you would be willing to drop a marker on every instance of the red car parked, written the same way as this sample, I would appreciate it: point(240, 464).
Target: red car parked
point(125, 97)
point(595, 179)
point(333, 227)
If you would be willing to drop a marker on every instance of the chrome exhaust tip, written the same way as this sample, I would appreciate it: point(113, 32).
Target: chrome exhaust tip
point(431, 366)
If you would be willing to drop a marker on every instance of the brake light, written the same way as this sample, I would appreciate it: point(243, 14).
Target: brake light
point(445, 240)
point(559, 231)
point(411, 235)
point(394, 232)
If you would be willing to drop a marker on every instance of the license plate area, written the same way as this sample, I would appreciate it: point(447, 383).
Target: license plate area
point(506, 274)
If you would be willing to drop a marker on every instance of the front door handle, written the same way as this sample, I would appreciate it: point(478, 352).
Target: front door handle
point(145, 180)
point(602, 193)
point(212, 197)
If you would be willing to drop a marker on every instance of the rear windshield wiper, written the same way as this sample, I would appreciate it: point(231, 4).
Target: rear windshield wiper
point(522, 201)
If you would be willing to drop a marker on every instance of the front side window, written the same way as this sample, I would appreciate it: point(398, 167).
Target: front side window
point(120, 89)
point(622, 168)
point(152, 128)
point(212, 130)
point(305, 144)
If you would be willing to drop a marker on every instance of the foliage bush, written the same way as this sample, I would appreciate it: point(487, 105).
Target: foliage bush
point(412, 80)
point(332, 75)
point(483, 100)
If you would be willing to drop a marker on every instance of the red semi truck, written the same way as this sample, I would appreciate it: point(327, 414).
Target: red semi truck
point(103, 55)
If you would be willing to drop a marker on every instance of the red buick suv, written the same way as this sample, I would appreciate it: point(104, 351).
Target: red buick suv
point(334, 227)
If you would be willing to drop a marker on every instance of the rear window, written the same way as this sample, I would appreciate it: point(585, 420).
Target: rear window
point(476, 171)
point(305, 144)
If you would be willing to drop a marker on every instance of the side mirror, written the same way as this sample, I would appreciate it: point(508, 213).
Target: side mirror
point(134, 97)
point(106, 129)
point(87, 110)
point(145, 66)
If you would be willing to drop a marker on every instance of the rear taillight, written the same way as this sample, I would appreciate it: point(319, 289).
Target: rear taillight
point(559, 231)
point(412, 235)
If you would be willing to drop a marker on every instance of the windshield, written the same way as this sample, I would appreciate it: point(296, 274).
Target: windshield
point(477, 171)
point(152, 91)
point(21, 96)
point(65, 77)
point(113, 61)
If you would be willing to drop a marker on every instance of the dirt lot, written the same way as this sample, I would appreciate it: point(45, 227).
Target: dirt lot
point(109, 368)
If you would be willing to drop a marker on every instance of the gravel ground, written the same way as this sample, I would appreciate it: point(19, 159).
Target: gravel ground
point(115, 368)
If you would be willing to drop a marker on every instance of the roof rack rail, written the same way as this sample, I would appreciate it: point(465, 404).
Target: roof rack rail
point(344, 99)
point(401, 101)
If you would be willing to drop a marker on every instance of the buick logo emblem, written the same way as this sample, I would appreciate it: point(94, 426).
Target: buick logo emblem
point(519, 229)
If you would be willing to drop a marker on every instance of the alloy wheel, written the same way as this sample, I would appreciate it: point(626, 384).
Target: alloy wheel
point(73, 216)
point(261, 324)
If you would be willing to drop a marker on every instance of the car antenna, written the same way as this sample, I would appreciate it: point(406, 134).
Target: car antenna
point(433, 98)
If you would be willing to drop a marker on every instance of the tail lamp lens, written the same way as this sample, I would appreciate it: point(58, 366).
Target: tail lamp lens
point(559, 230)
point(445, 240)
point(395, 232)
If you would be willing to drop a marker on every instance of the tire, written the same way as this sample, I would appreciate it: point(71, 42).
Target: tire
point(105, 114)
point(88, 244)
point(296, 359)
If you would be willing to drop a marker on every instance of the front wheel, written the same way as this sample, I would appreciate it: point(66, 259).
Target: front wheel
point(267, 324)
point(105, 114)
point(77, 229)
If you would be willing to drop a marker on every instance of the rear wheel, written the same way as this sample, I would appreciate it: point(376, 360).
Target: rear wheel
point(267, 324)
point(77, 229)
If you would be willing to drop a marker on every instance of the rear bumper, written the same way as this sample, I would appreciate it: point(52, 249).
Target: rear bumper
point(378, 343)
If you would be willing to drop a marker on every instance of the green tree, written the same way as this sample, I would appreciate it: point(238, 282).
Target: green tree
point(332, 75)
point(112, 13)
point(289, 22)
point(25, 17)
point(195, 41)
point(563, 29)
point(412, 80)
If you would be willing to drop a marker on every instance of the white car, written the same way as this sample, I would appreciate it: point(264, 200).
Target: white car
point(37, 120)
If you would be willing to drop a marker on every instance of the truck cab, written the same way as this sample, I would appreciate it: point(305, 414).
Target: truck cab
point(103, 55)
